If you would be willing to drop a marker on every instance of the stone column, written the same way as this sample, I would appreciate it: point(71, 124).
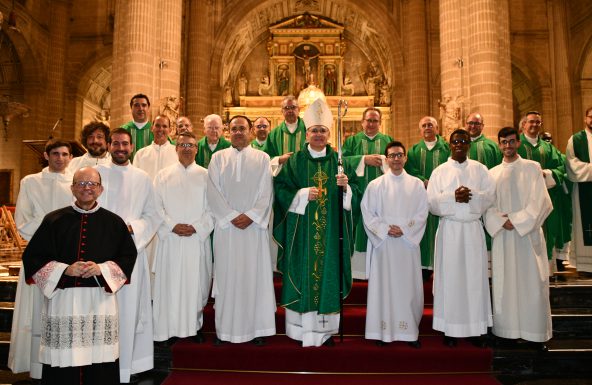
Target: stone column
point(55, 75)
point(417, 67)
point(562, 124)
point(475, 59)
point(198, 61)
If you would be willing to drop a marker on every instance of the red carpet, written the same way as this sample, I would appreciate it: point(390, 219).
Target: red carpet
point(355, 361)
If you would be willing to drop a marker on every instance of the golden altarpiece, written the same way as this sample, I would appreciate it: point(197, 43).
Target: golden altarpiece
point(307, 56)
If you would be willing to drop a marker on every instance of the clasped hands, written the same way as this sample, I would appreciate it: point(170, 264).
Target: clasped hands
point(314, 193)
point(462, 194)
point(184, 230)
point(83, 269)
point(242, 221)
point(395, 231)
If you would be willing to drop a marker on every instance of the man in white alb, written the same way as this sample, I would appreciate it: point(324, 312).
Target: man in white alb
point(94, 138)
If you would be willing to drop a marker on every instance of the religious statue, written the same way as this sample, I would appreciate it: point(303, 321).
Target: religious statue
point(348, 87)
point(283, 80)
point(307, 65)
point(385, 95)
point(264, 86)
point(227, 96)
point(242, 85)
point(330, 81)
point(450, 113)
point(102, 117)
point(371, 77)
point(170, 107)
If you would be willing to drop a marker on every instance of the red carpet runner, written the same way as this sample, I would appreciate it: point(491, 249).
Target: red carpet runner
point(355, 361)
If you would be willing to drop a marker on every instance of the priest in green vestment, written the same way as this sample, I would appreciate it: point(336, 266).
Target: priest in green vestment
point(140, 127)
point(306, 193)
point(579, 170)
point(423, 157)
point(262, 126)
point(365, 149)
point(548, 156)
point(287, 138)
point(212, 141)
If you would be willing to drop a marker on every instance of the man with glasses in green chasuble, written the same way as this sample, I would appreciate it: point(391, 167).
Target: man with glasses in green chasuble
point(366, 147)
point(306, 193)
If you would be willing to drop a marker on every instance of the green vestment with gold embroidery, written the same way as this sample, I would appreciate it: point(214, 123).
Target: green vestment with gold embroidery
point(310, 262)
point(420, 163)
point(354, 148)
point(141, 137)
point(280, 140)
point(204, 153)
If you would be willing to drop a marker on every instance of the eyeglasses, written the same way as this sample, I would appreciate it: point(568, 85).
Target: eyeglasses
point(86, 183)
point(476, 124)
point(459, 141)
point(240, 129)
point(535, 122)
point(320, 130)
point(213, 128)
point(186, 145)
point(511, 142)
point(372, 120)
point(261, 126)
point(289, 108)
point(397, 155)
point(426, 125)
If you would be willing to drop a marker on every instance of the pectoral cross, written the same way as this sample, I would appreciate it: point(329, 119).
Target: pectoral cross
point(320, 178)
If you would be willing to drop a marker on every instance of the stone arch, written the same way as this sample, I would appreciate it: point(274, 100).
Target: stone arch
point(583, 80)
point(526, 91)
point(93, 95)
point(247, 27)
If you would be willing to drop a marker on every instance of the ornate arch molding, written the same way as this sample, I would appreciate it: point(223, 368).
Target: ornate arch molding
point(526, 89)
point(248, 26)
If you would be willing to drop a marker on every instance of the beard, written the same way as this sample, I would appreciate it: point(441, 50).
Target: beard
point(97, 152)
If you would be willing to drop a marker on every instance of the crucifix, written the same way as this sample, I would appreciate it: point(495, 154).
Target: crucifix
point(320, 178)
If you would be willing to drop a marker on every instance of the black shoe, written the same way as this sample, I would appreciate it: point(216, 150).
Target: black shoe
point(479, 342)
point(450, 341)
point(134, 378)
point(426, 274)
point(218, 341)
point(539, 346)
point(560, 266)
point(259, 341)
point(330, 342)
point(380, 343)
point(414, 344)
point(198, 338)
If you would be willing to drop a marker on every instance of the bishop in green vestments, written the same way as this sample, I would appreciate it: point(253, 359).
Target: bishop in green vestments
point(139, 128)
point(422, 158)
point(306, 193)
point(365, 149)
point(551, 161)
point(212, 141)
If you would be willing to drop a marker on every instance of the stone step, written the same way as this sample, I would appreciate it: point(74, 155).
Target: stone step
point(571, 324)
point(6, 310)
point(565, 295)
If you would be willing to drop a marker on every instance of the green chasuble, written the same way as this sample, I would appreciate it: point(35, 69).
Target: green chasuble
point(549, 158)
point(354, 148)
point(310, 263)
point(256, 145)
point(280, 140)
point(204, 154)
point(420, 163)
point(141, 137)
point(580, 144)
point(565, 211)
point(485, 151)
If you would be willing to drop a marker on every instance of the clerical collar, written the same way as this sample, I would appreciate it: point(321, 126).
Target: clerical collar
point(260, 142)
point(317, 154)
point(475, 138)
point(430, 145)
point(83, 211)
point(140, 125)
point(213, 146)
point(292, 126)
point(370, 137)
point(533, 141)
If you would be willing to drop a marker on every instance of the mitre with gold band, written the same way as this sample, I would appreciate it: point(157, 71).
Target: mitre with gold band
point(318, 114)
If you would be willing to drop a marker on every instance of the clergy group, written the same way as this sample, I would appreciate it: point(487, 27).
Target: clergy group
point(128, 242)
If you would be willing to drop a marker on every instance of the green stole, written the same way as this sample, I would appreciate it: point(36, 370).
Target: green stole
point(280, 140)
point(485, 151)
point(204, 153)
point(256, 145)
point(310, 261)
point(354, 148)
point(580, 144)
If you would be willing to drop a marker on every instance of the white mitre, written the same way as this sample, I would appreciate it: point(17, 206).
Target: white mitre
point(318, 114)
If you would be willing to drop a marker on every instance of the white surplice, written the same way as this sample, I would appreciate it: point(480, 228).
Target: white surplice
point(39, 194)
point(128, 192)
point(462, 304)
point(241, 182)
point(578, 171)
point(520, 269)
point(183, 264)
point(86, 160)
point(395, 285)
